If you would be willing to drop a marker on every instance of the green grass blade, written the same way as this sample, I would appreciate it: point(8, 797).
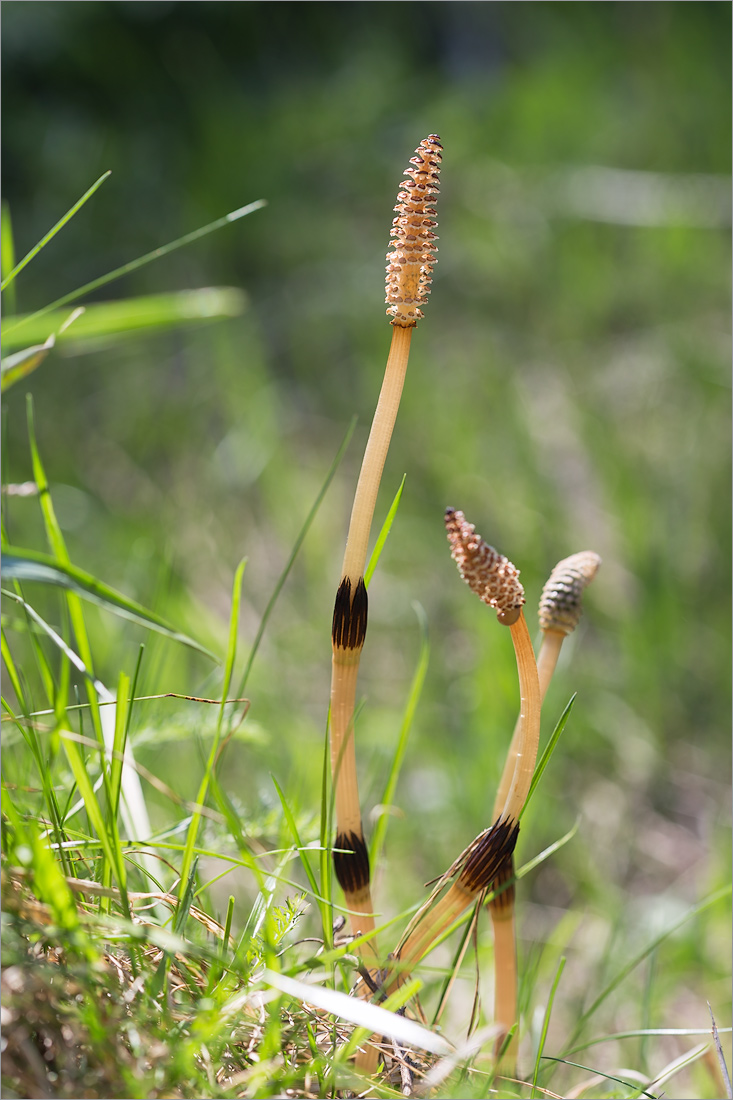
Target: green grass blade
point(326, 863)
point(58, 545)
point(184, 905)
point(294, 553)
point(7, 257)
point(49, 883)
point(179, 923)
point(31, 565)
point(134, 265)
point(104, 323)
point(292, 826)
point(384, 533)
point(608, 1076)
point(29, 735)
point(380, 829)
point(676, 1066)
point(706, 903)
point(549, 749)
point(546, 1023)
point(54, 230)
point(231, 654)
point(66, 649)
point(108, 838)
point(548, 851)
point(11, 669)
point(188, 851)
point(18, 366)
point(645, 1032)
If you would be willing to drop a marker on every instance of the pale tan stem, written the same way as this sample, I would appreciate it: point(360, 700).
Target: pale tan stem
point(529, 720)
point(547, 657)
point(344, 672)
point(365, 499)
point(546, 661)
point(345, 663)
point(502, 915)
point(505, 982)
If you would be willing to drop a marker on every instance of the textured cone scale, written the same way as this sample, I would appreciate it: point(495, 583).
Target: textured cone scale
point(486, 572)
point(410, 265)
point(560, 602)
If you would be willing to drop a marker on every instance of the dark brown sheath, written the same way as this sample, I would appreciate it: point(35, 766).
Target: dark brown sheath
point(350, 616)
point(352, 865)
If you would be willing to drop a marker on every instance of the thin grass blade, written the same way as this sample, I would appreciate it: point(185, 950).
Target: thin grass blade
point(290, 820)
point(548, 751)
point(546, 1024)
point(67, 651)
point(606, 1076)
point(675, 1066)
point(105, 323)
point(188, 851)
point(58, 545)
point(108, 838)
point(54, 230)
point(384, 533)
point(326, 862)
point(134, 265)
point(30, 565)
point(706, 903)
point(294, 553)
point(380, 829)
point(7, 257)
point(18, 366)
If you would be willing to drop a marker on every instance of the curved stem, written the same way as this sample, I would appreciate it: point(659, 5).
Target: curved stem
point(528, 738)
point(552, 641)
point(365, 498)
point(546, 661)
point(505, 982)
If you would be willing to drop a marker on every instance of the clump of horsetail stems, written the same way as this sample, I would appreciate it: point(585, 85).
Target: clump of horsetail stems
point(409, 266)
point(496, 582)
point(559, 613)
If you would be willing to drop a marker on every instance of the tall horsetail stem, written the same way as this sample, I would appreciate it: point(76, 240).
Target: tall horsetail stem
point(409, 267)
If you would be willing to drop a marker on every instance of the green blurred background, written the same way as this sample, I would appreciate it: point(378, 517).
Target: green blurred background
point(568, 389)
